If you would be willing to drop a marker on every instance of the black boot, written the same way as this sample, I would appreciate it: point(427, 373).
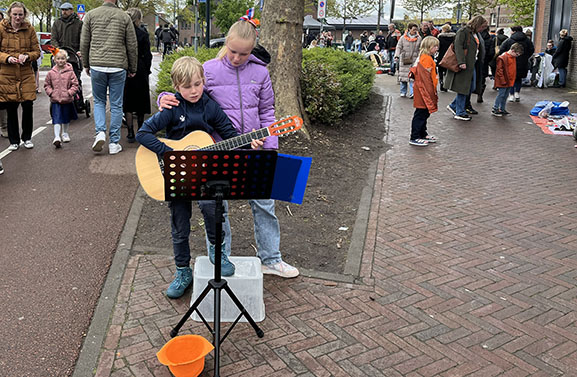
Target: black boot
point(130, 133)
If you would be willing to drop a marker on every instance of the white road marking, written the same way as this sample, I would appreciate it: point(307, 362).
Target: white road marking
point(6, 152)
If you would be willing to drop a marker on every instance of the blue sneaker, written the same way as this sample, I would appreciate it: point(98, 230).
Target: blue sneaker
point(182, 280)
point(226, 266)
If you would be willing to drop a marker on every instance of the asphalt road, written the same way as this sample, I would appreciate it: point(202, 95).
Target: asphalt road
point(61, 215)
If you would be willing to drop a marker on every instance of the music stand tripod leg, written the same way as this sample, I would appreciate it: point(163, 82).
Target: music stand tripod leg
point(217, 284)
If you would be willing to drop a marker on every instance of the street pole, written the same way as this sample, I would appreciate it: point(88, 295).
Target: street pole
point(207, 23)
point(195, 26)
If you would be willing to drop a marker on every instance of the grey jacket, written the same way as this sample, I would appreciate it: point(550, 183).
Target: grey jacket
point(108, 39)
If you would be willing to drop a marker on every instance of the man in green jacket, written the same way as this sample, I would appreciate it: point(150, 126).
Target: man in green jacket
point(66, 30)
point(109, 53)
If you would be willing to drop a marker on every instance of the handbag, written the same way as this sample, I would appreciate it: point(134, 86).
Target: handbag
point(449, 61)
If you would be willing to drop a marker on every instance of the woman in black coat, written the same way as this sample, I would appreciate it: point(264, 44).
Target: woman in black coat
point(522, 61)
point(561, 56)
point(446, 37)
point(136, 89)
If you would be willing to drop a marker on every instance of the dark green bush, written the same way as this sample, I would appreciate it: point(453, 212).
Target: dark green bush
point(164, 83)
point(320, 92)
point(354, 74)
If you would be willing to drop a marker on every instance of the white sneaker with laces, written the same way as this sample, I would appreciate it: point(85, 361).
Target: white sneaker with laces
point(517, 97)
point(281, 269)
point(28, 144)
point(511, 98)
point(13, 147)
point(99, 141)
point(114, 148)
point(65, 138)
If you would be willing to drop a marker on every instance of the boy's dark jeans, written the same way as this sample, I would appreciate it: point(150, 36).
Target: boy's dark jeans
point(180, 214)
point(419, 124)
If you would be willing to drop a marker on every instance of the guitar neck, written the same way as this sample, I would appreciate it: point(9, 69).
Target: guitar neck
point(238, 141)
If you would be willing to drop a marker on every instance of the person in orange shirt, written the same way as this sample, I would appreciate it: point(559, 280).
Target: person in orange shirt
point(505, 74)
point(425, 91)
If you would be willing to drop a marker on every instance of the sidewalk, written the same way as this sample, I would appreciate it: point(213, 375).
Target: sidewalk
point(469, 268)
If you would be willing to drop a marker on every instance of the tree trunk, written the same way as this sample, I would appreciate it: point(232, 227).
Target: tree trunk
point(281, 33)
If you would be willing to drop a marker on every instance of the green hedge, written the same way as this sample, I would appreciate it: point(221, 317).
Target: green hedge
point(334, 83)
point(164, 83)
point(354, 75)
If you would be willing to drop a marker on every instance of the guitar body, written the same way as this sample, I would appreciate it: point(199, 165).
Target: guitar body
point(148, 169)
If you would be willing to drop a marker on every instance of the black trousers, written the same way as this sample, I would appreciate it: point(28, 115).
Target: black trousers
point(419, 124)
point(27, 122)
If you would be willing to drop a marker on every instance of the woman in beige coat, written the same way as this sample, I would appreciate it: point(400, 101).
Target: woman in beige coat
point(18, 49)
point(406, 55)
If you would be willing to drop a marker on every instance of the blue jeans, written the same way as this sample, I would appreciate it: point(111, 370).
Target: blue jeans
point(501, 99)
point(516, 87)
point(266, 231)
point(180, 214)
point(562, 76)
point(404, 86)
point(391, 54)
point(459, 104)
point(114, 83)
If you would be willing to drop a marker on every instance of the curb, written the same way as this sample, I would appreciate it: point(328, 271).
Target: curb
point(90, 352)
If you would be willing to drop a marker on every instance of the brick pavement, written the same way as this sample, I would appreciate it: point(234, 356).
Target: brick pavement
point(468, 269)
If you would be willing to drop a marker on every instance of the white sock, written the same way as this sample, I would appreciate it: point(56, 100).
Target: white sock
point(65, 128)
point(57, 127)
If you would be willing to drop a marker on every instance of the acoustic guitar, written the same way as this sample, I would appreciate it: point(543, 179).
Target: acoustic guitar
point(149, 168)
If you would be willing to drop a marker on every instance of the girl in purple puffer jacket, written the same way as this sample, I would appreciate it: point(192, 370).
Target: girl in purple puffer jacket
point(61, 85)
point(240, 83)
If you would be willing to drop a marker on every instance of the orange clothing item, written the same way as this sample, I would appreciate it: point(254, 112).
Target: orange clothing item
point(425, 86)
point(506, 71)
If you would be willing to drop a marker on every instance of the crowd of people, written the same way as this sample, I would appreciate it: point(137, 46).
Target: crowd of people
point(473, 56)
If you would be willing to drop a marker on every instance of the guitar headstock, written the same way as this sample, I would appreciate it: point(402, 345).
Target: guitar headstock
point(285, 126)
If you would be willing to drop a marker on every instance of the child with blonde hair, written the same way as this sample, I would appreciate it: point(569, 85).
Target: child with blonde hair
point(425, 92)
point(61, 85)
point(195, 111)
point(239, 81)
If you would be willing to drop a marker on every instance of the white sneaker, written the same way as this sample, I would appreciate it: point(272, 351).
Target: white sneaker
point(99, 141)
point(28, 144)
point(57, 142)
point(114, 148)
point(65, 138)
point(511, 98)
point(281, 269)
point(403, 94)
point(13, 147)
point(517, 97)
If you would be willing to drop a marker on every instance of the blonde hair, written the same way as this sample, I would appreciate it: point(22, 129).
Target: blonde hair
point(563, 33)
point(242, 30)
point(17, 4)
point(446, 28)
point(184, 70)
point(427, 44)
point(62, 52)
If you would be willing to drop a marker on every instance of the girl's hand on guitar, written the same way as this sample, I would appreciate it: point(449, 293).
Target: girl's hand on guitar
point(167, 101)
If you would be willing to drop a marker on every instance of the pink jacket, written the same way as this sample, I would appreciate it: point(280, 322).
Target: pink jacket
point(61, 86)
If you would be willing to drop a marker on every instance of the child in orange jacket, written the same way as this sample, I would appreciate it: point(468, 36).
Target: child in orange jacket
point(505, 74)
point(425, 92)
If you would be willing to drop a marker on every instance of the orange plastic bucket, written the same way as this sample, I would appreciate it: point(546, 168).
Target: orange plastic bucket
point(184, 355)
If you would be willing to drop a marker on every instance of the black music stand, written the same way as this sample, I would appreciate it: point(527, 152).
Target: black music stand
point(218, 175)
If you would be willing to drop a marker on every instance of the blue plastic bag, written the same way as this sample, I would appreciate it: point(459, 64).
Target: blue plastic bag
point(555, 110)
